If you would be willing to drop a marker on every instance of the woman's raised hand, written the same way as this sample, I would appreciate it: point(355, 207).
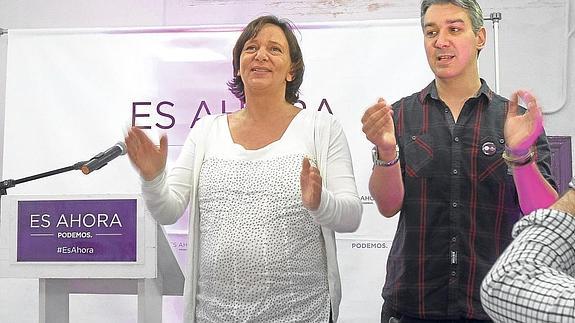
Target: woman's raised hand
point(147, 158)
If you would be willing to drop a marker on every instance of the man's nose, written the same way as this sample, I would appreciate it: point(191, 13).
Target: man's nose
point(442, 40)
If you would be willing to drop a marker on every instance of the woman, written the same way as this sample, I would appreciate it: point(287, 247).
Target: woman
point(263, 217)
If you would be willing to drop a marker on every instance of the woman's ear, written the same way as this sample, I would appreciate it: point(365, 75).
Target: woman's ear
point(289, 76)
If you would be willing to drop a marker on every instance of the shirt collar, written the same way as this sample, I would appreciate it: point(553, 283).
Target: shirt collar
point(431, 91)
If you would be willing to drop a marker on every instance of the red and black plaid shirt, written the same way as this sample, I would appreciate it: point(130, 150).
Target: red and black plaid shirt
point(459, 207)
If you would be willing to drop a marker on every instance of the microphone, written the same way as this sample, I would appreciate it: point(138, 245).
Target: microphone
point(102, 159)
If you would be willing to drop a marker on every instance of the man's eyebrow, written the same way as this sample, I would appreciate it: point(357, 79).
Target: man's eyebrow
point(452, 21)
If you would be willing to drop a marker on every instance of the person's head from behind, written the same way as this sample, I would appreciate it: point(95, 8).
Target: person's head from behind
point(453, 35)
point(267, 55)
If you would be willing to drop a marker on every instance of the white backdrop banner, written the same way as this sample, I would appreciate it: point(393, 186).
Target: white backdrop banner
point(73, 93)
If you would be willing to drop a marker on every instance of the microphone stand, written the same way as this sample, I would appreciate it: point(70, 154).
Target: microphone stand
point(13, 182)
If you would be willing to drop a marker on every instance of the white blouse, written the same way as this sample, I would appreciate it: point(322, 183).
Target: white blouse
point(262, 257)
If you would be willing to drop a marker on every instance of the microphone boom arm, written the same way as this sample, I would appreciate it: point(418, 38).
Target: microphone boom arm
point(13, 182)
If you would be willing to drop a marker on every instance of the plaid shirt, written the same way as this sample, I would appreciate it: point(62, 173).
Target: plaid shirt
point(459, 207)
point(534, 280)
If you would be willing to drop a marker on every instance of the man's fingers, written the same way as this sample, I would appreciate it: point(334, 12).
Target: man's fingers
point(533, 110)
point(374, 109)
point(377, 116)
point(513, 105)
point(530, 101)
point(537, 116)
point(377, 122)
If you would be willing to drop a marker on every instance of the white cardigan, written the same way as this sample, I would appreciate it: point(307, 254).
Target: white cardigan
point(168, 195)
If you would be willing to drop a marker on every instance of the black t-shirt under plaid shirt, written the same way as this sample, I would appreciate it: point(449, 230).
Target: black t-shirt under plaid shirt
point(459, 207)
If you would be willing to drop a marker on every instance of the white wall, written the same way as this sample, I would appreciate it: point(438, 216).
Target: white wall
point(533, 33)
point(533, 49)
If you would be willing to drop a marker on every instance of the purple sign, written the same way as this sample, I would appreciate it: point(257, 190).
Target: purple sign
point(77, 230)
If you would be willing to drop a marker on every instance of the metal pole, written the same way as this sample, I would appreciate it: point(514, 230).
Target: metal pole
point(495, 17)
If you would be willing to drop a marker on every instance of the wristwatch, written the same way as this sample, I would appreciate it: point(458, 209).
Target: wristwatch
point(379, 162)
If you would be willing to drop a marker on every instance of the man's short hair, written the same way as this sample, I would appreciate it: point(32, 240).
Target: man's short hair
point(470, 6)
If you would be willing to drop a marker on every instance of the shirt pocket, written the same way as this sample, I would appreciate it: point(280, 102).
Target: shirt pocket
point(418, 155)
point(490, 164)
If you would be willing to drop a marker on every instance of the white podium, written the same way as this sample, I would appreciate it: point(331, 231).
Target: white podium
point(87, 244)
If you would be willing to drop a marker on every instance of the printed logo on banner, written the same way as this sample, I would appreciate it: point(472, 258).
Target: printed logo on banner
point(370, 244)
point(366, 199)
point(77, 230)
point(142, 112)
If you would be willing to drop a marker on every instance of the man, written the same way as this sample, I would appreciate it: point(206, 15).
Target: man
point(438, 159)
point(534, 280)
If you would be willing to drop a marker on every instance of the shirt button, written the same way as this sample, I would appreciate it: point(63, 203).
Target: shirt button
point(446, 110)
point(454, 204)
point(501, 141)
point(413, 137)
point(453, 273)
point(456, 139)
point(453, 239)
point(454, 172)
